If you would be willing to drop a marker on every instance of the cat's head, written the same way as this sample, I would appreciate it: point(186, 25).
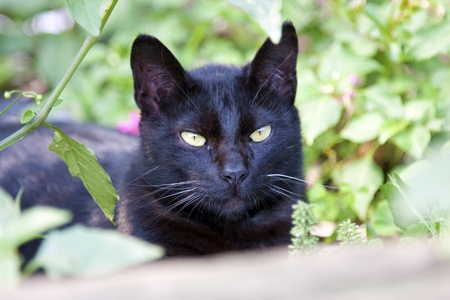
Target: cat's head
point(220, 140)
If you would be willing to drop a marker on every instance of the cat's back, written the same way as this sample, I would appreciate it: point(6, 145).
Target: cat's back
point(44, 177)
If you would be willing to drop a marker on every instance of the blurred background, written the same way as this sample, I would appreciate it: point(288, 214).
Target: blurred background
point(373, 92)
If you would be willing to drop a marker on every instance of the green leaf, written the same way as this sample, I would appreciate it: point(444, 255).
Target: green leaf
point(267, 13)
point(83, 164)
point(9, 267)
point(430, 41)
point(27, 116)
point(364, 128)
point(413, 140)
point(380, 98)
point(34, 222)
point(82, 251)
point(382, 220)
point(391, 128)
point(363, 177)
point(419, 110)
point(318, 115)
point(339, 58)
point(7, 208)
point(9, 258)
point(87, 13)
point(58, 102)
point(405, 210)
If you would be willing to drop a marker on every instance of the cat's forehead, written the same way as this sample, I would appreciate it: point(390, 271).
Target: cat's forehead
point(220, 102)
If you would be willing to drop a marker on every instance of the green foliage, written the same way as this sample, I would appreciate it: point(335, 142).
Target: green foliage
point(75, 251)
point(87, 13)
point(16, 228)
point(417, 209)
point(83, 164)
point(372, 91)
point(303, 219)
point(373, 97)
point(82, 251)
point(266, 13)
point(348, 234)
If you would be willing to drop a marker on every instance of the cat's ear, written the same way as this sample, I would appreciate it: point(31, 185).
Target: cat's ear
point(274, 67)
point(158, 76)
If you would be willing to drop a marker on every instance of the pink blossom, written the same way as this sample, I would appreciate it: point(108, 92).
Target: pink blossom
point(131, 125)
point(355, 80)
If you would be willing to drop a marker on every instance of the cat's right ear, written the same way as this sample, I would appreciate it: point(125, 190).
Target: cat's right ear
point(273, 70)
point(158, 76)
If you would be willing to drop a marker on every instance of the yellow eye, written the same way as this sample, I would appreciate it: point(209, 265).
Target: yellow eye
point(193, 139)
point(261, 134)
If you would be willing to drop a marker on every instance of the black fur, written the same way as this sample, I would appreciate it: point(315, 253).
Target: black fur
point(230, 194)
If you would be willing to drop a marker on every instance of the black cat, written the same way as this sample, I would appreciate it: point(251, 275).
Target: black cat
point(218, 164)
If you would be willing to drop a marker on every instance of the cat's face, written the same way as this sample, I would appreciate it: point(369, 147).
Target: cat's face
point(219, 139)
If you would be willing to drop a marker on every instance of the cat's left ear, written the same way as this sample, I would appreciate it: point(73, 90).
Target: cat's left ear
point(274, 67)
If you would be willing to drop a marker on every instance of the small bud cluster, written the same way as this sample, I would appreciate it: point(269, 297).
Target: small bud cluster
point(303, 220)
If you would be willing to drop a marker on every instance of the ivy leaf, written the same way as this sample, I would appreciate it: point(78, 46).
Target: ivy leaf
point(83, 164)
point(317, 116)
point(82, 251)
point(87, 13)
point(364, 128)
point(430, 41)
point(363, 177)
point(267, 13)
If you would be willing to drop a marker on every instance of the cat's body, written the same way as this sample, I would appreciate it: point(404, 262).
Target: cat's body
point(218, 165)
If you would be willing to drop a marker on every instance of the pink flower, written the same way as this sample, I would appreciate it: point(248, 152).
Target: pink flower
point(355, 80)
point(131, 125)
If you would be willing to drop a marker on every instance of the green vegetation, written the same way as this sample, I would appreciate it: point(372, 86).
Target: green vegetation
point(373, 95)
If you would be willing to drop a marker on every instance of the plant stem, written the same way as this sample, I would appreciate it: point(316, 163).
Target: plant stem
point(11, 104)
point(50, 101)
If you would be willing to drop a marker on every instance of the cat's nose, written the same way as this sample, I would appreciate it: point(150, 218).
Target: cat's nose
point(234, 173)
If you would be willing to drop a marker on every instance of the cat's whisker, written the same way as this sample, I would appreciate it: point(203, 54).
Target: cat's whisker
point(287, 178)
point(134, 180)
point(165, 189)
point(184, 202)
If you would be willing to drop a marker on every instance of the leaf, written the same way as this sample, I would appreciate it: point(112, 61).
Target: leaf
point(339, 58)
point(17, 228)
point(9, 259)
point(430, 41)
point(364, 128)
point(7, 209)
point(363, 177)
point(413, 140)
point(27, 116)
point(34, 222)
point(380, 98)
point(9, 267)
point(403, 208)
point(87, 13)
point(419, 110)
point(83, 164)
point(391, 128)
point(318, 115)
point(82, 251)
point(382, 220)
point(267, 13)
